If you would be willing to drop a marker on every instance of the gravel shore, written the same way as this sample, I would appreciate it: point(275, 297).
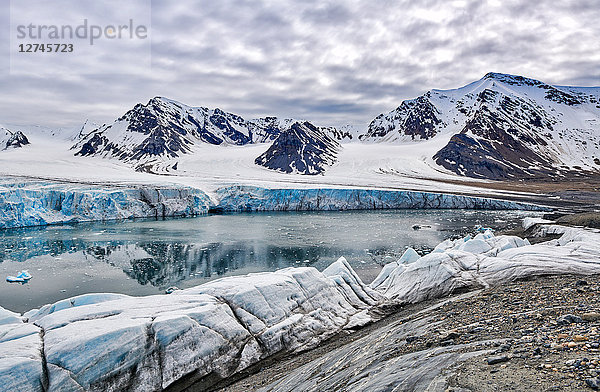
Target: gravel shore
point(551, 329)
point(535, 335)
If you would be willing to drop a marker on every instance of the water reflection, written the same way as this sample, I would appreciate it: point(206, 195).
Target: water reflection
point(163, 264)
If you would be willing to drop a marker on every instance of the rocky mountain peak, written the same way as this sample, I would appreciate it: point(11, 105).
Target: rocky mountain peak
point(12, 139)
point(162, 130)
point(514, 80)
point(502, 126)
point(302, 148)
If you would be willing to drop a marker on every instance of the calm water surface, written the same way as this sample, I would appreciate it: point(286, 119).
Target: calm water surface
point(146, 257)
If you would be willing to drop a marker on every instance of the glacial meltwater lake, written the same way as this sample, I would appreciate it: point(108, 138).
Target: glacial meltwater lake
point(145, 257)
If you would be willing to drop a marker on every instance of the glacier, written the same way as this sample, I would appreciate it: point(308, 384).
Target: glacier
point(251, 198)
point(104, 342)
point(36, 203)
point(25, 203)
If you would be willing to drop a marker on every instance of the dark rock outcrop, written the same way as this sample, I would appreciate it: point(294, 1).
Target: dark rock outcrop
point(303, 148)
point(17, 139)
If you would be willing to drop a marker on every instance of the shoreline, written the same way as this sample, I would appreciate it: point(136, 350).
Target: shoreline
point(521, 320)
point(471, 375)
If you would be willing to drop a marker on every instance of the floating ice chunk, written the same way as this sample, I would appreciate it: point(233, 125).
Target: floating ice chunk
point(23, 277)
point(409, 256)
point(419, 227)
point(528, 222)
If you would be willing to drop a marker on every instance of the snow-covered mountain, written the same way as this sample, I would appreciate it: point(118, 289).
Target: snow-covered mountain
point(345, 133)
point(12, 139)
point(502, 127)
point(302, 148)
point(163, 129)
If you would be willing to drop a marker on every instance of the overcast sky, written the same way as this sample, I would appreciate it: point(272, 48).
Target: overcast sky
point(333, 62)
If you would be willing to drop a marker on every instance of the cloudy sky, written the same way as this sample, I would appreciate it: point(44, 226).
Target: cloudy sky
point(333, 62)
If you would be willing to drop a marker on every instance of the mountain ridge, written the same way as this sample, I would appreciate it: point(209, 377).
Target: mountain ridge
point(502, 127)
point(166, 129)
point(12, 139)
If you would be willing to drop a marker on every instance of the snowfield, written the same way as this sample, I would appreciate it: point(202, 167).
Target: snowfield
point(103, 342)
point(209, 166)
point(45, 183)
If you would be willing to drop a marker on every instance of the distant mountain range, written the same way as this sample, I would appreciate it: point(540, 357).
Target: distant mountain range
point(499, 127)
point(165, 129)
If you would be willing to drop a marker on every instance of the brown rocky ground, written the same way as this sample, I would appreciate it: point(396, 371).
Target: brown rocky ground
point(544, 335)
point(573, 195)
point(552, 329)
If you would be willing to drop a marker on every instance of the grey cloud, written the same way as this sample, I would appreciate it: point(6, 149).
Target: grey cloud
point(328, 13)
point(333, 62)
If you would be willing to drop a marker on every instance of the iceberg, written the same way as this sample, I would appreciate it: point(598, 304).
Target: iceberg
point(212, 331)
point(23, 277)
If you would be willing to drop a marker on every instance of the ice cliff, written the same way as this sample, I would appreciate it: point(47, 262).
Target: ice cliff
point(104, 342)
point(249, 198)
point(36, 203)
